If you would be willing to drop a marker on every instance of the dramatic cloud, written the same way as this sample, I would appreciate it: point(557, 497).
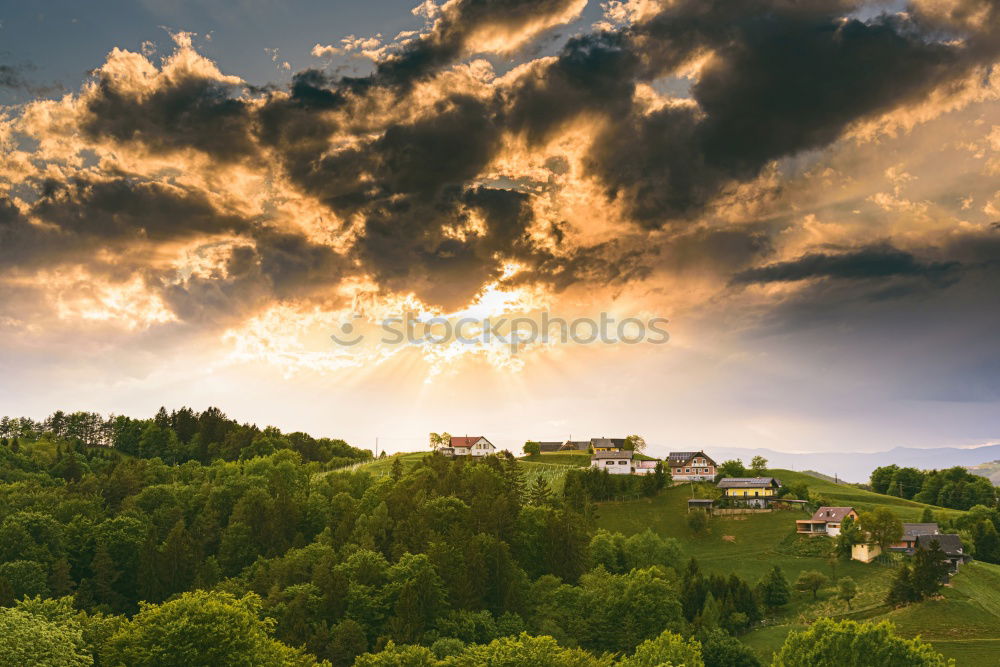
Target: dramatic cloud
point(465, 27)
point(865, 263)
point(675, 141)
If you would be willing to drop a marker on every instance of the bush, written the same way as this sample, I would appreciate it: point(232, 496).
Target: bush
point(697, 521)
point(809, 547)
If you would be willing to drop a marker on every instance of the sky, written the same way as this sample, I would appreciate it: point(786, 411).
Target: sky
point(199, 200)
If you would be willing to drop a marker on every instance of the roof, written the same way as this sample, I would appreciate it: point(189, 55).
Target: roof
point(612, 455)
point(467, 441)
point(607, 442)
point(577, 445)
point(832, 514)
point(748, 482)
point(911, 530)
point(700, 501)
point(950, 543)
point(549, 446)
point(679, 458)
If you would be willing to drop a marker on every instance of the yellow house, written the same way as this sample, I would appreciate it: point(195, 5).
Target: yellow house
point(607, 444)
point(753, 490)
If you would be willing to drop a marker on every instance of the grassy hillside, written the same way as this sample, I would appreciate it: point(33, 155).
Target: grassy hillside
point(560, 458)
point(843, 494)
point(964, 623)
point(551, 467)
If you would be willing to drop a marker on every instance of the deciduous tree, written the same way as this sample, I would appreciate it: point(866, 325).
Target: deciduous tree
point(812, 581)
point(847, 590)
point(828, 643)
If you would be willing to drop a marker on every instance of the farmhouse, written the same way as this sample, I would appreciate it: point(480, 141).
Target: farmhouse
point(908, 543)
point(950, 544)
point(616, 463)
point(607, 444)
point(575, 446)
point(544, 447)
point(750, 490)
point(826, 521)
point(475, 445)
point(691, 466)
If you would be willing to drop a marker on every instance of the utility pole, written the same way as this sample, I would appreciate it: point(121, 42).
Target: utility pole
point(376, 446)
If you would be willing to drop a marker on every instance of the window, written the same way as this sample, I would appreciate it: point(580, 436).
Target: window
point(609, 463)
point(621, 463)
point(687, 469)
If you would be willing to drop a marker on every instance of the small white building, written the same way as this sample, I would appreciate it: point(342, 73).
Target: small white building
point(645, 466)
point(865, 553)
point(475, 445)
point(616, 463)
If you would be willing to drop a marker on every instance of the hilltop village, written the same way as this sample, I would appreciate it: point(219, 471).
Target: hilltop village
point(740, 494)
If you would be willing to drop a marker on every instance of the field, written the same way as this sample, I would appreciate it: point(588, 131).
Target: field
point(964, 623)
point(560, 458)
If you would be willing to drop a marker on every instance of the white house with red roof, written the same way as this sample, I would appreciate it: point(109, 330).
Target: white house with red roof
point(475, 445)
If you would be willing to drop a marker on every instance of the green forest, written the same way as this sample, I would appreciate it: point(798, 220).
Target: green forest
point(191, 539)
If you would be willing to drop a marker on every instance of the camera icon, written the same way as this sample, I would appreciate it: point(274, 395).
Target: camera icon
point(345, 334)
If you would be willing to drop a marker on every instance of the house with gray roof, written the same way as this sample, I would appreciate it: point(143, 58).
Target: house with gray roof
point(911, 531)
point(607, 444)
point(950, 544)
point(825, 521)
point(575, 446)
point(690, 466)
point(616, 463)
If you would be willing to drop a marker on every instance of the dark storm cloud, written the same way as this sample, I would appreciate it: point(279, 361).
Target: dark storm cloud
point(74, 220)
point(221, 298)
point(188, 111)
point(406, 251)
point(12, 77)
point(15, 77)
point(784, 77)
point(127, 209)
point(457, 26)
point(869, 263)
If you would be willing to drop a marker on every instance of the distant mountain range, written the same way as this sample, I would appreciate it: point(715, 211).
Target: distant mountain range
point(857, 466)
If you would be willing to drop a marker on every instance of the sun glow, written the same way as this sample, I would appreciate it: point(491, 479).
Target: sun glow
point(378, 328)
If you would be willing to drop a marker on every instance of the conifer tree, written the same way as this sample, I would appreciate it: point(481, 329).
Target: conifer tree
point(774, 589)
